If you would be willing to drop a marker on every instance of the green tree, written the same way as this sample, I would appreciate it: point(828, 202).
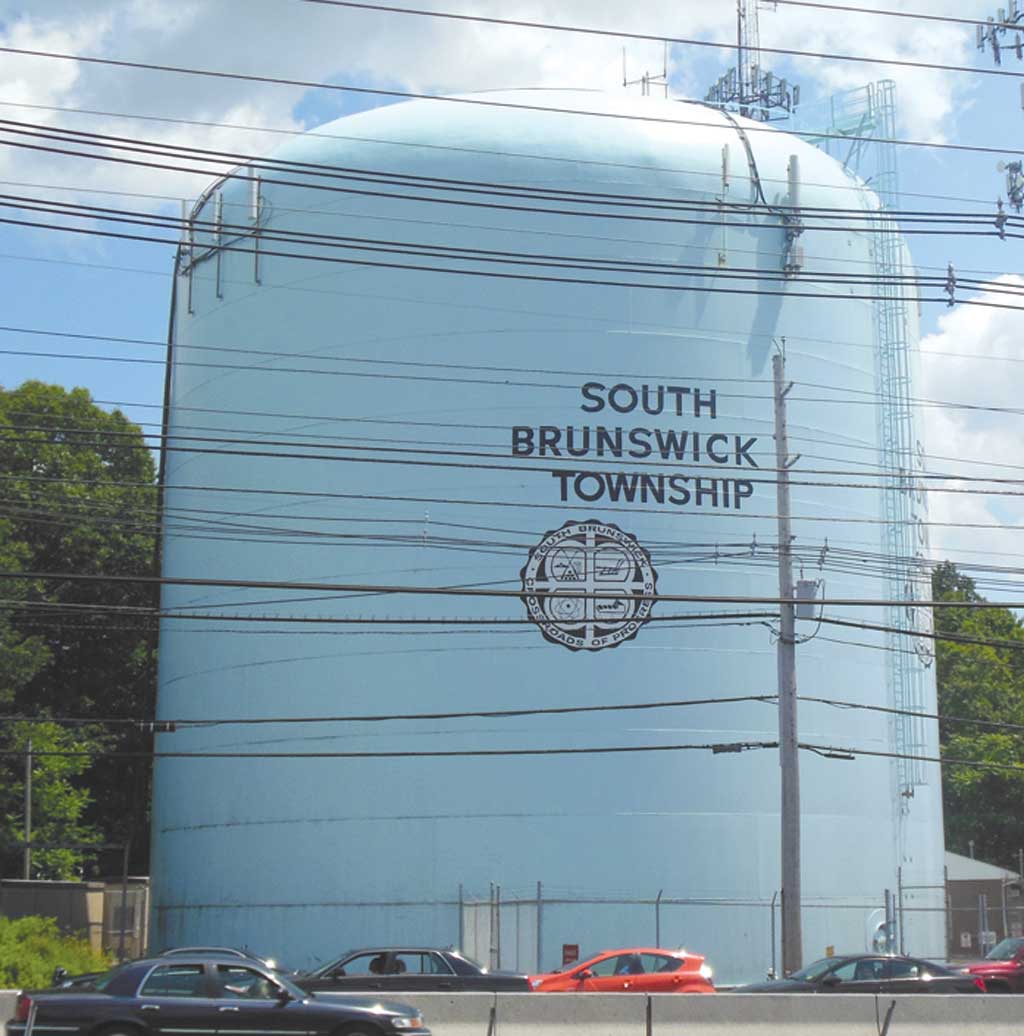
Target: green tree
point(77, 497)
point(31, 947)
point(980, 678)
point(59, 800)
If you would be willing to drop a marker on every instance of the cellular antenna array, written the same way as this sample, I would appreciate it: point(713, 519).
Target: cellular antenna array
point(755, 92)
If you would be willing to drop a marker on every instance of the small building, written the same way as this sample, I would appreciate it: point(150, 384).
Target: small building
point(984, 905)
point(112, 914)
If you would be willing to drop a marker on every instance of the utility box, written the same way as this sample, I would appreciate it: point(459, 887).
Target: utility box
point(807, 598)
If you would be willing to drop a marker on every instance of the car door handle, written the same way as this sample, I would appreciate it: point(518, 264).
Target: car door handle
point(232, 1008)
point(150, 1007)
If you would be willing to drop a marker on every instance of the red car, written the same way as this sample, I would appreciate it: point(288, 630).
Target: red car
point(637, 970)
point(1002, 969)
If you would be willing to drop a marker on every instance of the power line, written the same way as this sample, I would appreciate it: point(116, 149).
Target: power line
point(415, 145)
point(563, 710)
point(916, 16)
point(647, 37)
point(593, 282)
point(180, 723)
point(873, 221)
point(253, 584)
point(337, 419)
point(504, 504)
point(413, 456)
point(335, 171)
point(420, 754)
point(717, 748)
point(473, 101)
point(941, 718)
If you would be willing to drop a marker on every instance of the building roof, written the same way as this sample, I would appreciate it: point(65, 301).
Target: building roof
point(963, 868)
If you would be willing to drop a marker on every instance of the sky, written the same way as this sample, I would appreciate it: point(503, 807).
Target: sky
point(65, 283)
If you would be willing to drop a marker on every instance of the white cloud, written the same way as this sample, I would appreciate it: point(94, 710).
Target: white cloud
point(975, 357)
point(293, 40)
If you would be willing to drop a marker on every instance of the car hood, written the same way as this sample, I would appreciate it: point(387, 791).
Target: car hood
point(355, 1002)
point(779, 985)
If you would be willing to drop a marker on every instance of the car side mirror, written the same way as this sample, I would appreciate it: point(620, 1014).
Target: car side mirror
point(283, 996)
point(584, 974)
point(831, 980)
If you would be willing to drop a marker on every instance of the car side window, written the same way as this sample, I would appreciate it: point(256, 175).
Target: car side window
point(175, 980)
point(607, 967)
point(359, 965)
point(902, 969)
point(237, 983)
point(422, 963)
point(845, 972)
point(655, 962)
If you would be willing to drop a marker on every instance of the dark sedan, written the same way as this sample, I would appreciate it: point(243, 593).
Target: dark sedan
point(870, 973)
point(408, 970)
point(63, 980)
point(204, 997)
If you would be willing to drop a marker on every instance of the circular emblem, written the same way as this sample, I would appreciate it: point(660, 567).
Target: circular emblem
point(589, 585)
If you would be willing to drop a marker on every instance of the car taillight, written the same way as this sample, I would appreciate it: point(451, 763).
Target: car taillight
point(22, 1008)
point(980, 983)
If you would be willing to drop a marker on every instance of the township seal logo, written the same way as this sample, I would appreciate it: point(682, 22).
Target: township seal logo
point(589, 558)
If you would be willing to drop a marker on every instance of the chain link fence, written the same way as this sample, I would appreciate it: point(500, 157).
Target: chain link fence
point(523, 931)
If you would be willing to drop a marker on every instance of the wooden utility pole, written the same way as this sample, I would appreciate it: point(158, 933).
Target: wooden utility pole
point(789, 763)
point(28, 812)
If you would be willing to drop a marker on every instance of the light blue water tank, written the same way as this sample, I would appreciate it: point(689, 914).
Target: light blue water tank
point(451, 406)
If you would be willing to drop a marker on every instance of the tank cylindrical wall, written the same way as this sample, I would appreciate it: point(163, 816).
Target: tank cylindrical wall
point(356, 427)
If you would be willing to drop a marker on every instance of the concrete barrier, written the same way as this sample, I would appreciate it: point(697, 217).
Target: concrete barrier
point(723, 1014)
point(8, 998)
point(547, 1014)
point(456, 1014)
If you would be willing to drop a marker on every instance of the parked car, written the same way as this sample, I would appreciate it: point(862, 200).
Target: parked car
point(408, 970)
point(638, 970)
point(1002, 969)
point(204, 996)
point(870, 973)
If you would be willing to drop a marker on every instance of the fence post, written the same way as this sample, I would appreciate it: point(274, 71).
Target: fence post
point(492, 960)
point(462, 920)
point(899, 908)
point(775, 894)
point(497, 912)
point(657, 920)
point(950, 920)
point(540, 927)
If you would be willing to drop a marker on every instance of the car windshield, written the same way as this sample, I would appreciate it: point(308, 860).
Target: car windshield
point(293, 990)
point(100, 982)
point(325, 969)
point(814, 971)
point(1005, 950)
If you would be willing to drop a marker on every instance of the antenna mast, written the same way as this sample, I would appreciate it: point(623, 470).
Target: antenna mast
point(756, 93)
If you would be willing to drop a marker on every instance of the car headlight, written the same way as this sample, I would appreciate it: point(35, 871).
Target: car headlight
point(706, 972)
point(407, 1021)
